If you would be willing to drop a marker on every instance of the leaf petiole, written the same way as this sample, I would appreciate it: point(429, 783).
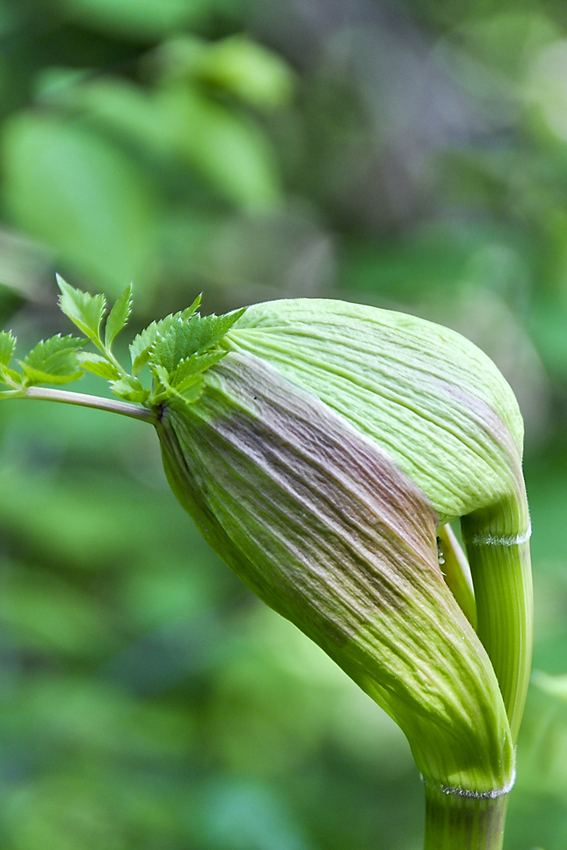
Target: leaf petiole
point(106, 352)
point(83, 400)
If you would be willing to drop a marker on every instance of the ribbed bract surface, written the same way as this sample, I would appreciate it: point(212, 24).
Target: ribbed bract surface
point(445, 415)
point(318, 521)
point(432, 400)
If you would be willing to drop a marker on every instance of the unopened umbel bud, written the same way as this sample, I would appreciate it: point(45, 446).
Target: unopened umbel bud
point(445, 415)
point(330, 532)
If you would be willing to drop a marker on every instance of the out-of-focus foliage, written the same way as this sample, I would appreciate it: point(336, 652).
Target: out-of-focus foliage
point(412, 156)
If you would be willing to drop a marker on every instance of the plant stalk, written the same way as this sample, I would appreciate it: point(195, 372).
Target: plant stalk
point(501, 571)
point(124, 408)
point(457, 822)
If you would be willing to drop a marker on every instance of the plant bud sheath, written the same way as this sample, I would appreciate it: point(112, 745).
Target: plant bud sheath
point(324, 527)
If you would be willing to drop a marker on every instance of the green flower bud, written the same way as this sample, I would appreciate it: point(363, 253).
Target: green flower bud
point(329, 529)
point(445, 415)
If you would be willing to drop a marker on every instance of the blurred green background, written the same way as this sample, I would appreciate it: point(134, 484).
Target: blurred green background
point(409, 155)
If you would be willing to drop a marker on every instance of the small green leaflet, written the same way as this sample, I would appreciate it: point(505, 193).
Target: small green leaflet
point(130, 389)
point(9, 377)
point(161, 384)
point(118, 316)
point(184, 339)
point(142, 343)
point(98, 365)
point(84, 310)
point(195, 364)
point(7, 346)
point(53, 361)
point(188, 391)
point(191, 388)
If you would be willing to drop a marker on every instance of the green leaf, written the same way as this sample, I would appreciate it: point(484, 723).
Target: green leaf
point(191, 388)
point(130, 389)
point(184, 339)
point(53, 361)
point(142, 343)
point(32, 376)
point(188, 391)
point(161, 378)
point(194, 365)
point(84, 310)
point(7, 346)
point(118, 316)
point(9, 376)
point(50, 353)
point(98, 365)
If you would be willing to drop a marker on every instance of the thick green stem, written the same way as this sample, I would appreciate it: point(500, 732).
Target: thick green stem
point(503, 584)
point(501, 571)
point(457, 822)
point(84, 400)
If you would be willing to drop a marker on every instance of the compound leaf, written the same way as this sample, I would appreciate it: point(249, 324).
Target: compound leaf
point(142, 343)
point(185, 339)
